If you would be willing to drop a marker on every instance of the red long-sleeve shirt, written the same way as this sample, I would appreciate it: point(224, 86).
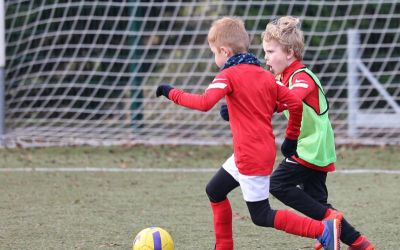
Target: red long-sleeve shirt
point(251, 94)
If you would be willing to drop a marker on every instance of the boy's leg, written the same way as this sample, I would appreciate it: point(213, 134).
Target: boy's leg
point(315, 186)
point(255, 191)
point(284, 183)
point(284, 186)
point(222, 220)
point(220, 185)
point(217, 190)
point(327, 232)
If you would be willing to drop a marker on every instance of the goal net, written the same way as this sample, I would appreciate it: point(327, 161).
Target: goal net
point(85, 72)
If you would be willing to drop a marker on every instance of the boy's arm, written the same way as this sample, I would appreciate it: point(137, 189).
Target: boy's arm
point(295, 108)
point(279, 107)
point(215, 91)
point(303, 86)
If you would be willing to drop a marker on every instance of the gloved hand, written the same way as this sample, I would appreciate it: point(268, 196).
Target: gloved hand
point(163, 90)
point(289, 148)
point(223, 111)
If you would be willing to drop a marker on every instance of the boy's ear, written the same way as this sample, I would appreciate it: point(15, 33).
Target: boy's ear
point(290, 54)
point(226, 51)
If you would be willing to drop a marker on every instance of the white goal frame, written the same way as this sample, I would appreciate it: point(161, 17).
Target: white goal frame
point(357, 117)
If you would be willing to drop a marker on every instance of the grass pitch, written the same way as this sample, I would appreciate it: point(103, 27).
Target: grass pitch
point(105, 210)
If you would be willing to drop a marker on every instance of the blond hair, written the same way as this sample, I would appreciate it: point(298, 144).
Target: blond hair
point(229, 32)
point(286, 31)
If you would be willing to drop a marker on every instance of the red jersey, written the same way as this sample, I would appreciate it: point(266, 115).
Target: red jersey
point(305, 88)
point(251, 94)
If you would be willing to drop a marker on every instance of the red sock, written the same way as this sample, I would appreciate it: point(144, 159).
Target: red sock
point(327, 213)
point(358, 241)
point(298, 225)
point(222, 217)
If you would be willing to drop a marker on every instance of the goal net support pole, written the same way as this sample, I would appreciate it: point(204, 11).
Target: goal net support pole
point(365, 118)
point(2, 65)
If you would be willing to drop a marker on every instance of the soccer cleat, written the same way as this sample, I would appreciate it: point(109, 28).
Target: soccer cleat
point(331, 235)
point(332, 215)
point(363, 245)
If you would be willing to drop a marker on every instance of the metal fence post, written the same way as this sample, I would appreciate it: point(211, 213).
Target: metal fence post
point(2, 73)
point(353, 42)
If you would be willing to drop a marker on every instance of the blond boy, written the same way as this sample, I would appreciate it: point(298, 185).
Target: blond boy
point(283, 44)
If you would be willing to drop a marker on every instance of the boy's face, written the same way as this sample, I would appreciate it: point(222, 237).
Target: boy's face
point(220, 56)
point(275, 57)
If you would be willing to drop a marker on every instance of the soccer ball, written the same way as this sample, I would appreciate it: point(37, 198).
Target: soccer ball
point(153, 238)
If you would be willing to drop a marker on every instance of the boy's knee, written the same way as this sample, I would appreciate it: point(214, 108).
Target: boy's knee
point(212, 194)
point(209, 192)
point(261, 213)
point(265, 219)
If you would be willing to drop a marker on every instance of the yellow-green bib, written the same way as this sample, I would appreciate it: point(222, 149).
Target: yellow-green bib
point(316, 143)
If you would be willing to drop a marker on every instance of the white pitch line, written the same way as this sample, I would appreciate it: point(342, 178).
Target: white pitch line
point(112, 170)
point(171, 170)
point(367, 171)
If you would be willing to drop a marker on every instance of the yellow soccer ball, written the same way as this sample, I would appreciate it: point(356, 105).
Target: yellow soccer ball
point(153, 238)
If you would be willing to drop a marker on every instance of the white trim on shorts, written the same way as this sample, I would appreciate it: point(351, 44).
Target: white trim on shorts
point(254, 188)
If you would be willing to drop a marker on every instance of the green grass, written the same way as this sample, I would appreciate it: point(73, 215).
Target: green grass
point(175, 156)
point(106, 210)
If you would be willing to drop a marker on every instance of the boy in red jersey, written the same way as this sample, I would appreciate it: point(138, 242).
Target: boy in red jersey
point(283, 44)
point(251, 93)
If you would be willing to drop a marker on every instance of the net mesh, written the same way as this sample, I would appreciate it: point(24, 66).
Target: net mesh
point(85, 72)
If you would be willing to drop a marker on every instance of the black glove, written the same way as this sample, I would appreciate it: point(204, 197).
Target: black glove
point(223, 111)
point(289, 148)
point(163, 90)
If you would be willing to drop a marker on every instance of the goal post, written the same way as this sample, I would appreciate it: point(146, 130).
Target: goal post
point(368, 118)
point(2, 81)
point(85, 72)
